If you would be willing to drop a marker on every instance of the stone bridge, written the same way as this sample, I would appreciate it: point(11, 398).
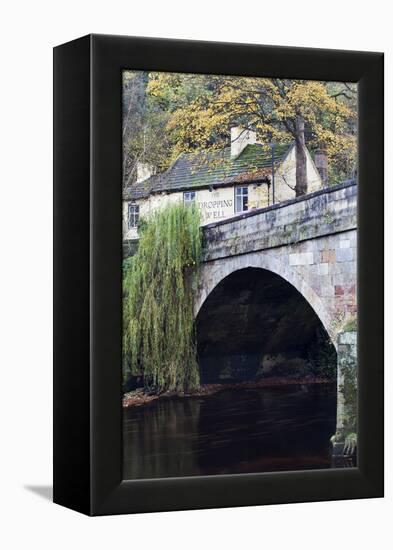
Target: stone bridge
point(277, 282)
point(309, 241)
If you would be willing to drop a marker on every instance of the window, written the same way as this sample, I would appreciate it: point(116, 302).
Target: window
point(133, 215)
point(241, 199)
point(189, 198)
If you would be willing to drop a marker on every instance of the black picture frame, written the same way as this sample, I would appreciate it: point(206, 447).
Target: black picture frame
point(87, 275)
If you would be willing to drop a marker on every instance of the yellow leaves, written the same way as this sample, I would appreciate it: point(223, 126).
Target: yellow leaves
point(311, 100)
point(162, 84)
point(201, 109)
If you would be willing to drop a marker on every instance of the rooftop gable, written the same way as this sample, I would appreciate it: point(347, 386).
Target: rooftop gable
point(213, 168)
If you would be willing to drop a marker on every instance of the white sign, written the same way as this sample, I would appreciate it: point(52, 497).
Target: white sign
point(216, 205)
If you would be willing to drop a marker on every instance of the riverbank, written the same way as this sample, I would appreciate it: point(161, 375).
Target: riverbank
point(140, 397)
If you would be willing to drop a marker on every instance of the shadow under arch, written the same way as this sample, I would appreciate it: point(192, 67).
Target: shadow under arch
point(218, 271)
point(255, 324)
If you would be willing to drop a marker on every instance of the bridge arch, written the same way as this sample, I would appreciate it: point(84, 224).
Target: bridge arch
point(212, 273)
point(255, 324)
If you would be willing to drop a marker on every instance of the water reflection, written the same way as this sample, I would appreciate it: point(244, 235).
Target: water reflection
point(234, 431)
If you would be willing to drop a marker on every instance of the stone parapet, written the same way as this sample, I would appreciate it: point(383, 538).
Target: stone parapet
point(327, 212)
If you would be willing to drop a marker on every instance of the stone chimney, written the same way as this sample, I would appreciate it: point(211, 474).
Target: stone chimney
point(144, 171)
point(321, 163)
point(240, 138)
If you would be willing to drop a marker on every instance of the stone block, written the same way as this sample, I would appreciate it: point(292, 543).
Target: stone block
point(347, 339)
point(339, 290)
point(317, 257)
point(323, 269)
point(328, 256)
point(352, 309)
point(342, 268)
point(343, 348)
point(339, 205)
point(327, 291)
point(345, 254)
point(345, 278)
point(321, 244)
point(301, 258)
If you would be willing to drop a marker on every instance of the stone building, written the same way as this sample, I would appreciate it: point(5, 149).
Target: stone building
point(224, 183)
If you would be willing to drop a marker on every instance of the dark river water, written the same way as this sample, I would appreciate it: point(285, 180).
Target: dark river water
point(234, 431)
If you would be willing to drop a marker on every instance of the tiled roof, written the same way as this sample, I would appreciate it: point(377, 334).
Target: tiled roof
point(217, 168)
point(142, 189)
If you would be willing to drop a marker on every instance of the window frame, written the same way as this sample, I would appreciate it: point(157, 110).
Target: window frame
point(187, 202)
point(241, 196)
point(135, 215)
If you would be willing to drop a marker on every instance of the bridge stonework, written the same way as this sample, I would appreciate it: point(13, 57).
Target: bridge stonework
point(309, 241)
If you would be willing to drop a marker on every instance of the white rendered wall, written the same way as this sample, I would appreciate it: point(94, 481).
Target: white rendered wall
point(214, 205)
point(219, 204)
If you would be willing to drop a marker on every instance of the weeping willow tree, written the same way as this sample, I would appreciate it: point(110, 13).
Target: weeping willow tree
point(158, 321)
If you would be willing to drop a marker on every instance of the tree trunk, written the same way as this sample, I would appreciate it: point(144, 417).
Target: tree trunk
point(301, 159)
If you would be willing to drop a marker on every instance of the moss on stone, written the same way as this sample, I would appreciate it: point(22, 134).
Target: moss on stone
point(350, 325)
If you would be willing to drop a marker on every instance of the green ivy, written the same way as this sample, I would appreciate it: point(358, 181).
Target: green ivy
point(349, 391)
point(321, 356)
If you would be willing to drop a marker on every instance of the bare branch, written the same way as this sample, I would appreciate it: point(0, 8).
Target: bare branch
point(286, 183)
